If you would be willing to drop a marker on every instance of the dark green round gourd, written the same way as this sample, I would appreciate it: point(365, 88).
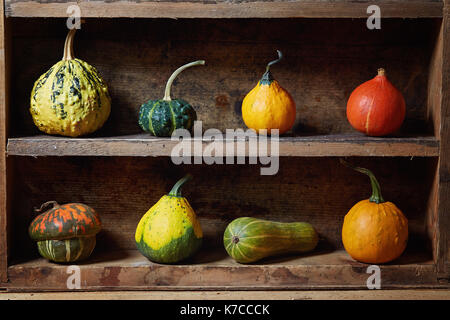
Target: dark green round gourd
point(162, 117)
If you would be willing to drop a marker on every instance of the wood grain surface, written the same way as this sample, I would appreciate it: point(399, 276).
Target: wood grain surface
point(420, 294)
point(225, 9)
point(129, 270)
point(143, 145)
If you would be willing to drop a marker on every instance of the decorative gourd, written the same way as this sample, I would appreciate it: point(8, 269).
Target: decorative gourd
point(162, 117)
point(65, 233)
point(269, 106)
point(169, 232)
point(374, 231)
point(249, 239)
point(376, 107)
point(70, 99)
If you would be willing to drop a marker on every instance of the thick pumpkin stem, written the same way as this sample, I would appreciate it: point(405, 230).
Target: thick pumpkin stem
point(45, 205)
point(267, 76)
point(68, 45)
point(175, 74)
point(176, 190)
point(376, 189)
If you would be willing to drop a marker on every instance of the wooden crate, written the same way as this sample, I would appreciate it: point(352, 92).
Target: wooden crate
point(121, 172)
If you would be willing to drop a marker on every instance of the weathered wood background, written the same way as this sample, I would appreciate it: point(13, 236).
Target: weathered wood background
point(316, 190)
point(324, 61)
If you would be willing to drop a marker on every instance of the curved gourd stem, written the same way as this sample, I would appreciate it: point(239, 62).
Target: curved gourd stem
point(45, 205)
point(267, 76)
point(176, 190)
point(176, 73)
point(376, 189)
point(68, 45)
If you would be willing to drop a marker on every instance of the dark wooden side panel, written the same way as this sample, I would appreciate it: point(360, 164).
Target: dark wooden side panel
point(316, 190)
point(4, 100)
point(444, 164)
point(325, 59)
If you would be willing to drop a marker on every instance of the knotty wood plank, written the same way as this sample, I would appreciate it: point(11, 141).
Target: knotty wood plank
point(146, 145)
point(129, 270)
point(224, 9)
point(418, 294)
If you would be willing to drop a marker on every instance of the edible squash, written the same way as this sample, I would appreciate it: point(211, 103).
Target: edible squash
point(374, 230)
point(268, 106)
point(169, 232)
point(65, 233)
point(376, 107)
point(162, 117)
point(70, 99)
point(248, 239)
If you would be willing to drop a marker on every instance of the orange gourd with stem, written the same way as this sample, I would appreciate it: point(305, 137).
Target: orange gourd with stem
point(268, 106)
point(374, 230)
point(376, 107)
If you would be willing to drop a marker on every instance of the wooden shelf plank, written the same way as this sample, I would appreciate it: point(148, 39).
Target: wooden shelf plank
point(215, 270)
point(225, 9)
point(300, 146)
point(421, 294)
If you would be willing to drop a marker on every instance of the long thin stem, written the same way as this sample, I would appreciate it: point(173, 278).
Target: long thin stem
point(176, 73)
point(68, 45)
point(376, 189)
point(176, 190)
point(267, 76)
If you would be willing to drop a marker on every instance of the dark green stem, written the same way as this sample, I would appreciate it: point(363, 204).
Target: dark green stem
point(267, 76)
point(376, 189)
point(176, 190)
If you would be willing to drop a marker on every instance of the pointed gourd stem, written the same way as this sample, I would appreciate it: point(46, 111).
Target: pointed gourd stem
point(176, 73)
point(68, 45)
point(376, 189)
point(176, 190)
point(45, 205)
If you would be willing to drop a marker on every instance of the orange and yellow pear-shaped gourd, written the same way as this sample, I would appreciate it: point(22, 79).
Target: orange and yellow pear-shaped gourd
point(269, 106)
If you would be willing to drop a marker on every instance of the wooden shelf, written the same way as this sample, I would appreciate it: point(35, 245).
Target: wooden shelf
point(225, 9)
point(214, 269)
point(146, 145)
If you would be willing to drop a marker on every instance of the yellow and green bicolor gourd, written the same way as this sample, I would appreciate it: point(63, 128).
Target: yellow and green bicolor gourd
point(70, 99)
point(162, 117)
point(169, 232)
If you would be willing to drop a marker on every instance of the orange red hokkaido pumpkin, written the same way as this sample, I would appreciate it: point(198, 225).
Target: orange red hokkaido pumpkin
point(374, 230)
point(376, 107)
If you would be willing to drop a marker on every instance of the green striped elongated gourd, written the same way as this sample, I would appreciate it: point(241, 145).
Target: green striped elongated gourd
point(162, 117)
point(70, 99)
point(248, 239)
point(169, 232)
point(65, 233)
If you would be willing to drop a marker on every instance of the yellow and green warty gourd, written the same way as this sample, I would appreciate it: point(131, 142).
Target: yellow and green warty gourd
point(169, 232)
point(70, 99)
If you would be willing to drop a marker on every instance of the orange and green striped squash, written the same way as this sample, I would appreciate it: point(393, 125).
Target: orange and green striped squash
point(65, 233)
point(249, 239)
